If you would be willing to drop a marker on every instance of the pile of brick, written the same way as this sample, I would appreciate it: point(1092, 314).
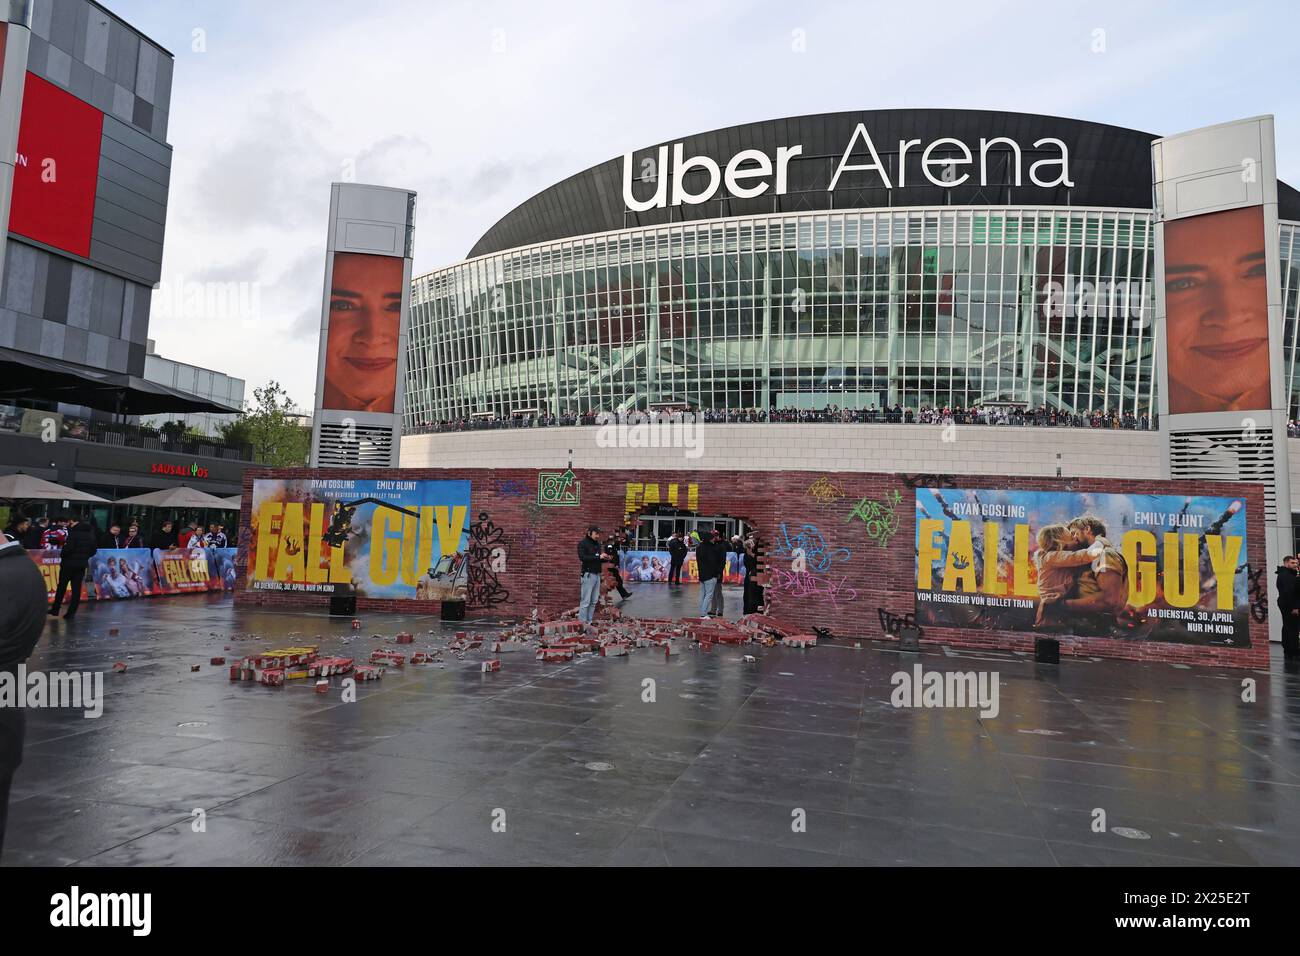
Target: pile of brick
point(272, 668)
point(613, 635)
point(561, 639)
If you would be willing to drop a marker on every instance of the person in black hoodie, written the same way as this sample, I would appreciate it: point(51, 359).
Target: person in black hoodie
point(21, 621)
point(676, 555)
point(164, 537)
point(617, 543)
point(78, 549)
point(18, 528)
point(1288, 602)
point(710, 555)
point(35, 532)
point(753, 590)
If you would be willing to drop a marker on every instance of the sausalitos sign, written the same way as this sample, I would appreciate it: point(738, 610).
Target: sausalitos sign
point(192, 470)
point(945, 162)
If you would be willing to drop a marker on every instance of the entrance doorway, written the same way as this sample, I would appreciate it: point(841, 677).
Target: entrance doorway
point(646, 562)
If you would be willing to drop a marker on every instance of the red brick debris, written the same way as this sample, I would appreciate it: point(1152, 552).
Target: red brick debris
point(613, 635)
point(560, 640)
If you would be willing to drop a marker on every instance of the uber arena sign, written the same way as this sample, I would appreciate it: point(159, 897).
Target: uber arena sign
point(752, 172)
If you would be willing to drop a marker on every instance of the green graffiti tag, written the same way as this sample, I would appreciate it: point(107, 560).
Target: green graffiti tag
point(880, 517)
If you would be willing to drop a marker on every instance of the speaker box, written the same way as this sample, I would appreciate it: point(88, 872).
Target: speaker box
point(343, 605)
point(1047, 650)
point(453, 610)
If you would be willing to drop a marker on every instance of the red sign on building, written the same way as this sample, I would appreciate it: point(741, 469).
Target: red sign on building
point(56, 167)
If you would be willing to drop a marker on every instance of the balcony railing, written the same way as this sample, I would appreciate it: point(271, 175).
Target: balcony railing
point(134, 436)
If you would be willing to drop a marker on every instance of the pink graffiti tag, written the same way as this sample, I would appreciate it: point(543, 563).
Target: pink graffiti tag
point(804, 584)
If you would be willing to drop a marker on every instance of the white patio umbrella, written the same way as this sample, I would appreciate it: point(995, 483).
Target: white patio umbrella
point(181, 496)
point(22, 487)
point(234, 502)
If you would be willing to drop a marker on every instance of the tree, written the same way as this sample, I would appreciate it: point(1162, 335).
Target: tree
point(270, 427)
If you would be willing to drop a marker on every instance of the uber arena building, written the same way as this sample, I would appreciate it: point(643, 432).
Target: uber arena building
point(869, 259)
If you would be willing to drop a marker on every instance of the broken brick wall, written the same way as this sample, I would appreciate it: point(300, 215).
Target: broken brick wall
point(869, 567)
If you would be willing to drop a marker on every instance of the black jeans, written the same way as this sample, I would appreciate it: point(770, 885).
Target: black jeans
point(618, 582)
point(73, 576)
point(13, 722)
point(675, 569)
point(1290, 636)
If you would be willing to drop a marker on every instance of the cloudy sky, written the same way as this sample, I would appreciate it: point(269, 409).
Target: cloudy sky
point(479, 105)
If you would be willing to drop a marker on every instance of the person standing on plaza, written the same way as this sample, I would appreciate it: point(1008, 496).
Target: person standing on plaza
point(21, 622)
point(617, 544)
point(164, 537)
point(676, 555)
point(32, 538)
point(709, 557)
point(1288, 603)
point(590, 555)
point(78, 548)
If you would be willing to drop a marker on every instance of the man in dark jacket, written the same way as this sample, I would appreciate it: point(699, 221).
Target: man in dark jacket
point(18, 528)
point(616, 544)
point(709, 559)
point(1288, 602)
point(35, 532)
point(113, 539)
point(164, 537)
point(589, 554)
point(21, 621)
point(78, 549)
point(676, 555)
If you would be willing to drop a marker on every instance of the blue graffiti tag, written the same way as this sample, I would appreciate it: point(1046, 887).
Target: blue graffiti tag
point(810, 540)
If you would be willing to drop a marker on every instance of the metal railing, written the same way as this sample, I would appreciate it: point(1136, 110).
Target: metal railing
point(164, 440)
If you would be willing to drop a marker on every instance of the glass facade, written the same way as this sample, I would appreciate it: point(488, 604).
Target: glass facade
point(919, 307)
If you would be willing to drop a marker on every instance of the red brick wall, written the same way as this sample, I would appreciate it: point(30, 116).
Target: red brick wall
point(542, 567)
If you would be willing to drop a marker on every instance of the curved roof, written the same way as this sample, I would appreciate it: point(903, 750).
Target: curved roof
point(1110, 166)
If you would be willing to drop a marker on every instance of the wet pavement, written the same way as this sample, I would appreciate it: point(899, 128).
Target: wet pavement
point(675, 601)
point(796, 758)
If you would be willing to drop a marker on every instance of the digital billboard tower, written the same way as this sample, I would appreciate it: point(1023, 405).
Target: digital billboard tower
point(1223, 397)
point(362, 354)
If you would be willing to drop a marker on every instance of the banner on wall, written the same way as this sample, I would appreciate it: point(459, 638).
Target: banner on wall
point(121, 573)
point(652, 566)
point(395, 539)
point(1133, 567)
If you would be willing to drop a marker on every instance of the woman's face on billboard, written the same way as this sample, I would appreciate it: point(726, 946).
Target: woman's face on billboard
point(1217, 307)
point(364, 324)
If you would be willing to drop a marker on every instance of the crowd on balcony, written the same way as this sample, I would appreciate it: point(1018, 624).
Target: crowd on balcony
point(1042, 416)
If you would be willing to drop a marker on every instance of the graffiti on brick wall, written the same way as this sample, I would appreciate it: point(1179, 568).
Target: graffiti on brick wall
point(1258, 592)
point(807, 549)
point(509, 488)
point(880, 517)
point(640, 495)
point(929, 481)
point(805, 584)
point(537, 515)
point(487, 559)
point(893, 624)
point(526, 542)
point(825, 492)
point(558, 489)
